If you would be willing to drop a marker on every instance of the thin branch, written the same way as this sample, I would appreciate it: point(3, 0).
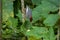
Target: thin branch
point(23, 11)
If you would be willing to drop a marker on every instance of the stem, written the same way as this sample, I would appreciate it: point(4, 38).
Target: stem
point(23, 11)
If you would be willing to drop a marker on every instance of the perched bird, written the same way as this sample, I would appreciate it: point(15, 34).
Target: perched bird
point(29, 13)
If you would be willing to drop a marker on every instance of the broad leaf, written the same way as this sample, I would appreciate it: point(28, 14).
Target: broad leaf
point(51, 20)
point(55, 2)
point(42, 10)
point(36, 2)
point(37, 32)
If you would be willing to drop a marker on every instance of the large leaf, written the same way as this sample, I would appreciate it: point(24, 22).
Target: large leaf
point(37, 32)
point(42, 10)
point(36, 2)
point(51, 20)
point(55, 2)
point(48, 6)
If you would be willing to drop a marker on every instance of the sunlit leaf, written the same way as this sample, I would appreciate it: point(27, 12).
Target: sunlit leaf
point(7, 9)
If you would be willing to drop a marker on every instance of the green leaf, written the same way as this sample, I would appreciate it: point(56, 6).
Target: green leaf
point(51, 33)
point(36, 2)
point(19, 15)
point(5, 16)
point(35, 14)
point(51, 20)
point(37, 32)
point(7, 33)
point(33, 38)
point(55, 2)
point(3, 26)
point(48, 6)
point(12, 22)
point(7, 10)
point(42, 11)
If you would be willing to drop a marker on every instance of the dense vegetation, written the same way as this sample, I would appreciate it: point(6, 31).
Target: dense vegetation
point(44, 25)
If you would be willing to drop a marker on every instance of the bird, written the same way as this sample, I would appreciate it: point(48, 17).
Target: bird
point(28, 13)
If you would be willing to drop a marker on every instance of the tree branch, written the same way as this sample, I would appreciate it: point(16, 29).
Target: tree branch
point(23, 11)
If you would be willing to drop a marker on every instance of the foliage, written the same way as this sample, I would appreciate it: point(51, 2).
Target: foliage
point(44, 13)
point(51, 20)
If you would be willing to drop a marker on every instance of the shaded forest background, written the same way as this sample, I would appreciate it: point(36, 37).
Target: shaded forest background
point(45, 24)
